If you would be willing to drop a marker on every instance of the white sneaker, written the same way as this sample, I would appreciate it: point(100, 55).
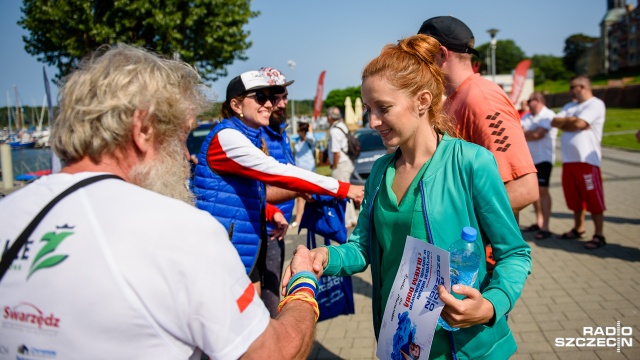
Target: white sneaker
point(294, 224)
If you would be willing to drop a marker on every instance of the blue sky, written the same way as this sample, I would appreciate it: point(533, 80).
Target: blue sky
point(339, 36)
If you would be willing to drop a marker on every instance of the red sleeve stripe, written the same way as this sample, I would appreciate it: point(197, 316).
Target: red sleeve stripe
point(231, 152)
point(246, 298)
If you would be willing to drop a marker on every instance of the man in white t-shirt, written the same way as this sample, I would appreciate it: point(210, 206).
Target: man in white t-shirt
point(129, 268)
point(581, 122)
point(541, 140)
point(340, 163)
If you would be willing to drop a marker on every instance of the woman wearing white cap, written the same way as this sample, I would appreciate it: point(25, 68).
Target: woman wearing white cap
point(232, 170)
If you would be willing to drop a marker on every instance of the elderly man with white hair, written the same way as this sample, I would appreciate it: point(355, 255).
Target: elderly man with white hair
point(125, 266)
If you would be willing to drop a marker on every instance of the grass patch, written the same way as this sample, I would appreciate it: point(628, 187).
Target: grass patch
point(323, 170)
point(625, 141)
point(553, 87)
point(619, 119)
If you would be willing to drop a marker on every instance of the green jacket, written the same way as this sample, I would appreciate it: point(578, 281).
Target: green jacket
point(462, 187)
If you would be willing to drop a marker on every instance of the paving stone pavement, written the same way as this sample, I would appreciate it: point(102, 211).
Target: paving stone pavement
point(569, 288)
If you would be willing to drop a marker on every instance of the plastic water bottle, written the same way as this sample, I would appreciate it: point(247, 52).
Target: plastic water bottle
point(465, 257)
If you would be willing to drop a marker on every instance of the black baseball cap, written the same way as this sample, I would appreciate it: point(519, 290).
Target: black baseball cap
point(450, 32)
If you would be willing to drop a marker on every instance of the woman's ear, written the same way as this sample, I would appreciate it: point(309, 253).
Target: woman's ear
point(236, 106)
point(424, 101)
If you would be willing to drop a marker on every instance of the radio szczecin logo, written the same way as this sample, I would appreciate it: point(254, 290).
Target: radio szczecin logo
point(609, 336)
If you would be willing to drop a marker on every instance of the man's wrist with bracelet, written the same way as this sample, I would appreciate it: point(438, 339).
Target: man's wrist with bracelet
point(302, 286)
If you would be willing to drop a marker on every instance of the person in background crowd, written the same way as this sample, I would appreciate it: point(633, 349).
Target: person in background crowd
point(341, 165)
point(541, 139)
point(305, 148)
point(457, 183)
point(524, 108)
point(278, 146)
point(233, 169)
point(127, 267)
point(581, 122)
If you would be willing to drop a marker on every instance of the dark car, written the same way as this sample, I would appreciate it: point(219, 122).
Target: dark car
point(371, 148)
point(196, 137)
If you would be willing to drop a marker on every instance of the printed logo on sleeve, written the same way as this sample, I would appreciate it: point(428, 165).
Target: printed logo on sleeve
point(498, 131)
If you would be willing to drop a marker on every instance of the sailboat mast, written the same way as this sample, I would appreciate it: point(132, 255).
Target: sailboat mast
point(44, 105)
point(18, 111)
point(9, 110)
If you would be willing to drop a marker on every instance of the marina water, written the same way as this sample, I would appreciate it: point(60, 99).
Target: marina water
point(27, 161)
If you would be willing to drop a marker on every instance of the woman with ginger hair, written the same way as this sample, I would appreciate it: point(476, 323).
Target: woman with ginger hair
point(431, 187)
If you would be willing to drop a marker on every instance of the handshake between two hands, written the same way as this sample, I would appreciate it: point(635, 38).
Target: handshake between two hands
point(305, 260)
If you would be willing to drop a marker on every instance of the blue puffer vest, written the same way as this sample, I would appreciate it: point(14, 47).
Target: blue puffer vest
point(280, 149)
point(238, 203)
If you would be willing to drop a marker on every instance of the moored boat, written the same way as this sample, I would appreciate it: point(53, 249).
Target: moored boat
point(15, 145)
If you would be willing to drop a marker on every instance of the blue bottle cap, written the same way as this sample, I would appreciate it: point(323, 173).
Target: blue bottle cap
point(469, 234)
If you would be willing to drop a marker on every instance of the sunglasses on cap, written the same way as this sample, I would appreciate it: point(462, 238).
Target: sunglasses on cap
point(262, 97)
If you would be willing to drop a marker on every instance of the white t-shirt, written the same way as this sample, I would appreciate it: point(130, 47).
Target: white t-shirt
point(338, 142)
point(583, 145)
point(542, 150)
point(116, 271)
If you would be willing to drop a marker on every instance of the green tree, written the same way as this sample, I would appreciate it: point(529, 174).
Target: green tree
point(548, 67)
point(205, 33)
point(336, 97)
point(302, 107)
point(508, 55)
point(29, 116)
point(574, 47)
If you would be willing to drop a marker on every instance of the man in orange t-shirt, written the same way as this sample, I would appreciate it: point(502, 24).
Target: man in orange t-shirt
point(483, 112)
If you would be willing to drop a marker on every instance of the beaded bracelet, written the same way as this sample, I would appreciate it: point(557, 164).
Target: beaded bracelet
point(303, 296)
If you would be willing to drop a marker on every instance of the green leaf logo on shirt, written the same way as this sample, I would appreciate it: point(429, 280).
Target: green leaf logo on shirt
point(52, 241)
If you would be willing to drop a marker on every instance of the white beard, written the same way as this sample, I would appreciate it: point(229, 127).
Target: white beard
point(168, 174)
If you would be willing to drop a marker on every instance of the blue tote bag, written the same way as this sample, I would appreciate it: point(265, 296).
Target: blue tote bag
point(325, 217)
point(335, 296)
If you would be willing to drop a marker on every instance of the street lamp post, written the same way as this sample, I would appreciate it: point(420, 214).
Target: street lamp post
point(492, 32)
point(488, 60)
point(292, 64)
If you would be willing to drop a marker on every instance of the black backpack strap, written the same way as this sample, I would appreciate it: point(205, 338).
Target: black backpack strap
point(12, 253)
point(346, 137)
